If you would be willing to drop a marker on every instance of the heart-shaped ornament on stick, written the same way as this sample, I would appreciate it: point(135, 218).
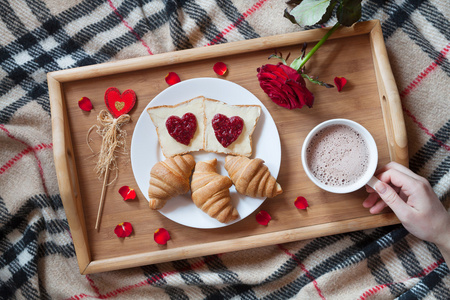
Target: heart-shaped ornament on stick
point(117, 103)
point(112, 135)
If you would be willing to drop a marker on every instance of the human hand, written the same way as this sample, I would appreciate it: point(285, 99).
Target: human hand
point(412, 199)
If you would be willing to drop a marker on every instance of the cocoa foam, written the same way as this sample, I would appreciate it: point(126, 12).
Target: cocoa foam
point(337, 155)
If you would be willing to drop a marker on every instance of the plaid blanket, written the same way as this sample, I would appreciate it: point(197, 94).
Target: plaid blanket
point(37, 254)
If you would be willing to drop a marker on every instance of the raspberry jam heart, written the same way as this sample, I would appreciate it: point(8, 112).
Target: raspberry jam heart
point(227, 130)
point(117, 103)
point(182, 129)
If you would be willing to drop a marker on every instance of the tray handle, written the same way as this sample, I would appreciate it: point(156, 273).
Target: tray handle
point(390, 99)
point(66, 172)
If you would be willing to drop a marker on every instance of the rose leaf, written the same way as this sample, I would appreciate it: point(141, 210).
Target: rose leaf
point(310, 12)
point(328, 13)
point(349, 12)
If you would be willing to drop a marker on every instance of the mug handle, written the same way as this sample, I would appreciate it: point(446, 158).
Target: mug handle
point(372, 182)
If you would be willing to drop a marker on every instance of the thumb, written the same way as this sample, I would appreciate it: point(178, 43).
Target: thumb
point(391, 198)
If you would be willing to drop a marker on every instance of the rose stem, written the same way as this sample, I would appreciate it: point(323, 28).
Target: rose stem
point(313, 50)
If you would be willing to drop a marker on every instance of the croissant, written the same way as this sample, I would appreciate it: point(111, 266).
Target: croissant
point(169, 178)
point(251, 177)
point(210, 192)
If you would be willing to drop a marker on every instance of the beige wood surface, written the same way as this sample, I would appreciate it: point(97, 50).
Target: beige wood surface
point(370, 98)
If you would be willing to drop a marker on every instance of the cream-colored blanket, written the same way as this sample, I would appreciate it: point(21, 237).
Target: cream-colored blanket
point(37, 257)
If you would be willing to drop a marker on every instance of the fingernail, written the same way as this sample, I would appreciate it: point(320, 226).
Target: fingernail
point(380, 187)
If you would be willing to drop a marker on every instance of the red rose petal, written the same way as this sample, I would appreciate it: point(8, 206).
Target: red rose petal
point(301, 203)
point(263, 217)
point(284, 86)
point(340, 82)
point(161, 236)
point(172, 78)
point(85, 104)
point(220, 68)
point(127, 193)
point(123, 229)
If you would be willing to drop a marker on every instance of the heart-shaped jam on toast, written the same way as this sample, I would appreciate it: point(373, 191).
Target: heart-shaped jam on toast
point(182, 129)
point(227, 130)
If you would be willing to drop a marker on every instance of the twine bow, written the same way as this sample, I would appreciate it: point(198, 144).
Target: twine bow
point(113, 138)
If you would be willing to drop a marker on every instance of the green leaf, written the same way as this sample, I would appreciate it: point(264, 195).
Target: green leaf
point(328, 13)
point(293, 2)
point(349, 12)
point(290, 17)
point(317, 81)
point(279, 57)
point(310, 12)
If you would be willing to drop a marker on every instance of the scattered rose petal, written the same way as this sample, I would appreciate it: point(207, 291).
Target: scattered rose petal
point(263, 217)
point(127, 193)
point(161, 236)
point(172, 78)
point(340, 82)
point(85, 104)
point(301, 203)
point(123, 229)
point(220, 68)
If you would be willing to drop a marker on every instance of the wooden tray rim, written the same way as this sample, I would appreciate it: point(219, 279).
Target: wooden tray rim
point(65, 160)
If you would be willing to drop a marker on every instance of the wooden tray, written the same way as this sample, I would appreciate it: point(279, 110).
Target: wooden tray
point(370, 98)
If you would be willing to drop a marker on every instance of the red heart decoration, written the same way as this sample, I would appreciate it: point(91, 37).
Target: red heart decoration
point(182, 129)
point(119, 104)
point(227, 130)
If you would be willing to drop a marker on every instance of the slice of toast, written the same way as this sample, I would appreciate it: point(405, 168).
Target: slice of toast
point(159, 115)
point(243, 144)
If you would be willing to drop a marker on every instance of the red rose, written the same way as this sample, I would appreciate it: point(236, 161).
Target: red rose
point(285, 86)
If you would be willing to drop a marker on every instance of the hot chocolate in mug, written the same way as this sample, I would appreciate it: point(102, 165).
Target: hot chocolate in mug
point(340, 156)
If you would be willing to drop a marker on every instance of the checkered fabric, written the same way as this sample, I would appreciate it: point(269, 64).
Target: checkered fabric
point(37, 257)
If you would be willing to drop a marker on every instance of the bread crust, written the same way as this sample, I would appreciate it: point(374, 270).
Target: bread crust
point(210, 192)
point(246, 135)
point(251, 177)
point(169, 178)
point(171, 147)
point(242, 146)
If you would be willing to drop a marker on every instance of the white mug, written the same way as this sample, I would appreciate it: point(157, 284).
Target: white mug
point(366, 178)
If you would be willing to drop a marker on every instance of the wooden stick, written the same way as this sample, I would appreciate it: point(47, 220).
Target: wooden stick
point(102, 199)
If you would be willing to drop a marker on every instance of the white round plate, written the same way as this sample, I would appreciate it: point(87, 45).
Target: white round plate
point(145, 149)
